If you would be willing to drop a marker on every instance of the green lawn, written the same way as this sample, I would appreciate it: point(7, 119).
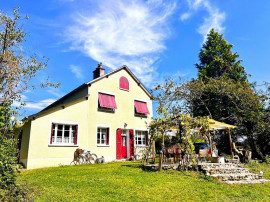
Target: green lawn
point(126, 181)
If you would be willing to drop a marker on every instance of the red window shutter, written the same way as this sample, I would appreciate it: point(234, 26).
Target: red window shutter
point(146, 138)
point(118, 144)
point(51, 133)
point(112, 102)
point(107, 136)
point(141, 107)
point(131, 142)
point(76, 135)
point(107, 101)
point(123, 83)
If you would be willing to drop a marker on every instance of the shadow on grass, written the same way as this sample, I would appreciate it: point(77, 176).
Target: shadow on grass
point(140, 166)
point(207, 178)
point(132, 165)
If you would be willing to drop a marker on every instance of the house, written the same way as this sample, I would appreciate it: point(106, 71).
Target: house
point(107, 116)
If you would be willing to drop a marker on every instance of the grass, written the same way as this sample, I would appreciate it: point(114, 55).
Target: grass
point(126, 181)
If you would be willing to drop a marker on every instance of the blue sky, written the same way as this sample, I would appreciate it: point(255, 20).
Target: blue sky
point(155, 39)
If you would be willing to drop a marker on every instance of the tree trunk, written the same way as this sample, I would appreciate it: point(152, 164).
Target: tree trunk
point(153, 152)
point(161, 154)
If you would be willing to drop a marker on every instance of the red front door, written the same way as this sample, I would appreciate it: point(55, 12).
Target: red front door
point(124, 144)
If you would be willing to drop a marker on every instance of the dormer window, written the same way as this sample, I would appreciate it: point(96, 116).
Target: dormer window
point(106, 101)
point(123, 83)
point(141, 108)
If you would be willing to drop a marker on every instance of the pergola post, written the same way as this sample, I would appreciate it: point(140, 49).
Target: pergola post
point(230, 139)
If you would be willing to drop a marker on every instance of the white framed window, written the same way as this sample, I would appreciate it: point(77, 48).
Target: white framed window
point(103, 137)
point(140, 138)
point(64, 134)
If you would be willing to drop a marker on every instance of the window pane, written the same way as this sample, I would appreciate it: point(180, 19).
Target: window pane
point(53, 135)
point(72, 134)
point(59, 133)
point(60, 127)
point(98, 137)
point(66, 136)
point(103, 138)
point(59, 139)
point(143, 140)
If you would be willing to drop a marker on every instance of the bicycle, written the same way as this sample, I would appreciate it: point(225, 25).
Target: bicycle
point(78, 157)
point(90, 157)
point(83, 157)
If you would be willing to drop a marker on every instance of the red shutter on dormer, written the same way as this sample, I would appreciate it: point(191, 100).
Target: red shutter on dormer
point(123, 83)
point(51, 133)
point(107, 136)
point(141, 107)
point(107, 101)
point(76, 135)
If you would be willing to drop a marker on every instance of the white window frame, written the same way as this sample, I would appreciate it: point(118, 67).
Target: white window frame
point(136, 140)
point(64, 123)
point(103, 126)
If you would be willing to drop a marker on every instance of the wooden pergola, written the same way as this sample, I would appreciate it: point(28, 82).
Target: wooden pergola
point(216, 125)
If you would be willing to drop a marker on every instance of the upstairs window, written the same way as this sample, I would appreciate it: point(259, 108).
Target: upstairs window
point(141, 108)
point(123, 83)
point(64, 134)
point(106, 101)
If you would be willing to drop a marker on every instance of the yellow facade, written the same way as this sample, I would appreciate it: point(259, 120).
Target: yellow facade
point(36, 150)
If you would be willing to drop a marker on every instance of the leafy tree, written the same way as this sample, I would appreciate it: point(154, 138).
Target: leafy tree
point(173, 110)
point(16, 70)
point(216, 60)
point(223, 92)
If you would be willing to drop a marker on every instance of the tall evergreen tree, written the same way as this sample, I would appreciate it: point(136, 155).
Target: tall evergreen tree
point(216, 60)
point(223, 92)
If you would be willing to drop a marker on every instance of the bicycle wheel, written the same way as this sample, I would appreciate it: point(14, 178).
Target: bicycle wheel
point(92, 158)
point(73, 163)
point(81, 160)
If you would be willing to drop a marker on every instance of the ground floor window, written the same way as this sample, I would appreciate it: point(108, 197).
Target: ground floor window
point(102, 136)
point(64, 134)
point(140, 138)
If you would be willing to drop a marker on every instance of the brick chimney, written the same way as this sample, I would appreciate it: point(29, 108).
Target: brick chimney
point(99, 71)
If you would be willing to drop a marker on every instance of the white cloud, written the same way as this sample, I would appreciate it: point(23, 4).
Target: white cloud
point(39, 105)
point(33, 104)
point(185, 16)
point(77, 71)
point(122, 32)
point(214, 20)
point(55, 91)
